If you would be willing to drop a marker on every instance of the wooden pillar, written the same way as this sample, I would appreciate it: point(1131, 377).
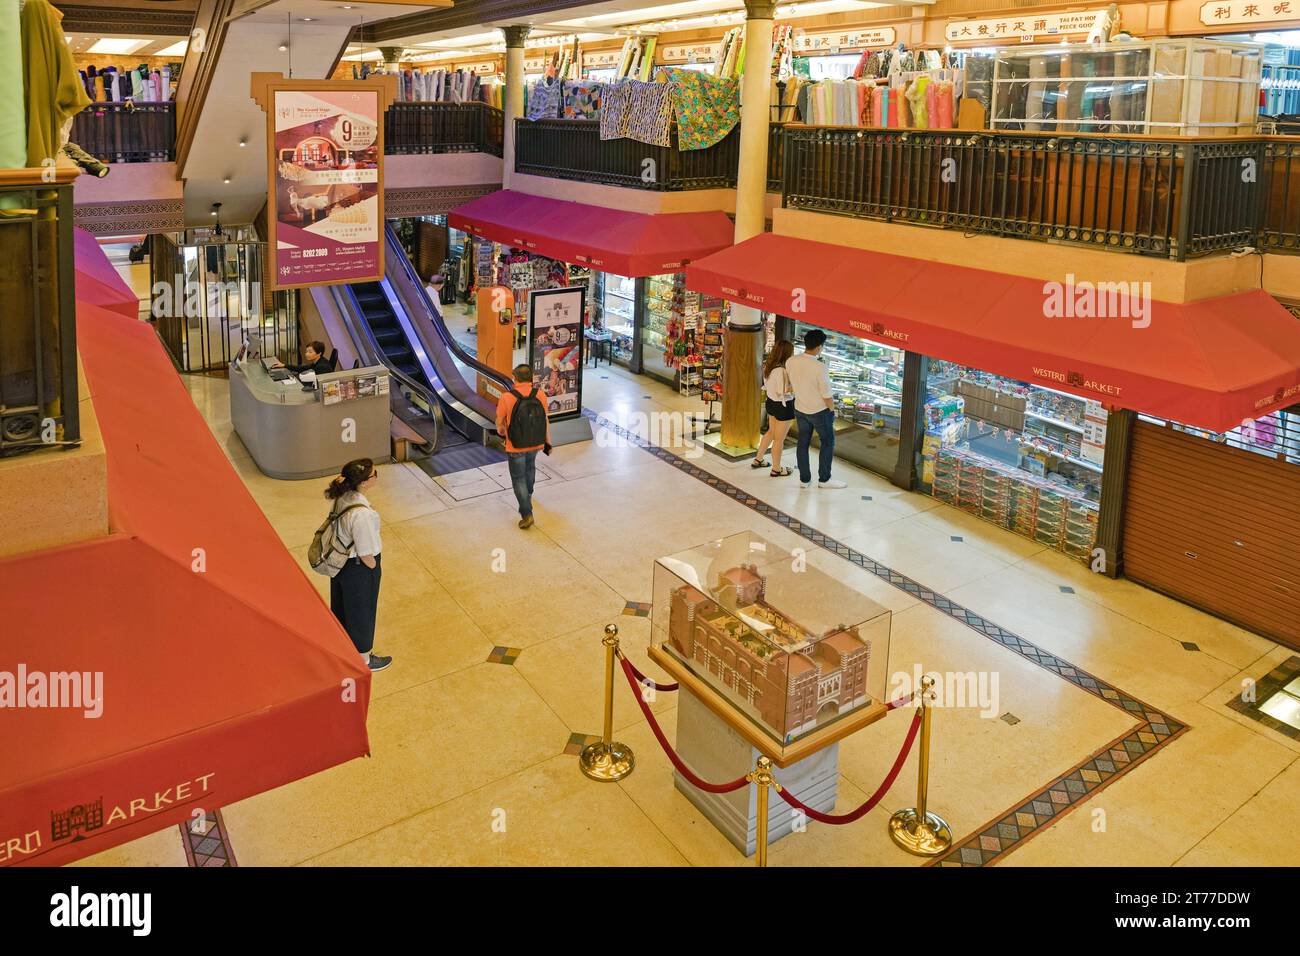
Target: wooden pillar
point(1109, 549)
point(513, 96)
point(743, 351)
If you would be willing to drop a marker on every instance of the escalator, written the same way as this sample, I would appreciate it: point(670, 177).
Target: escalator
point(394, 324)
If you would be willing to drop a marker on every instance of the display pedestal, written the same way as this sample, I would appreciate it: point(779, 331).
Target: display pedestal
point(716, 752)
point(570, 430)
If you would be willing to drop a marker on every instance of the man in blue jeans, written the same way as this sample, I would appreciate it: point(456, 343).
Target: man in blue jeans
point(814, 409)
point(523, 422)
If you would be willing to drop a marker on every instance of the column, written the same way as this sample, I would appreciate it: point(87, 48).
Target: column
point(741, 379)
point(391, 56)
point(513, 100)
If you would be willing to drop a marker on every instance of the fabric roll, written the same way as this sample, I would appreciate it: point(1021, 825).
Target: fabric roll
point(54, 93)
point(13, 112)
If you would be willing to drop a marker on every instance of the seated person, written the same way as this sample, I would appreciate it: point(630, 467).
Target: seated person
point(316, 362)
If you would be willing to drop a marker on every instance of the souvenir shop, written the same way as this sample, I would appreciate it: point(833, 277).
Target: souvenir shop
point(1023, 456)
point(867, 383)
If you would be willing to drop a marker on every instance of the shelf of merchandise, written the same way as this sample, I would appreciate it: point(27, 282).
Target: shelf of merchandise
point(1054, 421)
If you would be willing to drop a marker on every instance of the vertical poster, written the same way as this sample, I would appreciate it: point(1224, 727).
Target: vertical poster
point(555, 335)
point(325, 160)
point(328, 223)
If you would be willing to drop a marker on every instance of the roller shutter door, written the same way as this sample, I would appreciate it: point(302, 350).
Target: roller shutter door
point(1217, 527)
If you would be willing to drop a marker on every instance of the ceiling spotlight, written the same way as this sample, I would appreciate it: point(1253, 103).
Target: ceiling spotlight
point(308, 19)
point(243, 142)
point(284, 47)
point(226, 180)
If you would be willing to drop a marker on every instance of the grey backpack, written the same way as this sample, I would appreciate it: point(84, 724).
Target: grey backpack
point(327, 554)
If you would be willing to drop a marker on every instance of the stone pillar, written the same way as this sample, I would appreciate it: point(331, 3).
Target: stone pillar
point(741, 378)
point(513, 100)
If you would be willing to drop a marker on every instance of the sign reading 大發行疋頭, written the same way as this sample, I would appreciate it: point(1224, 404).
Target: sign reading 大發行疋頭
point(325, 184)
point(1024, 25)
point(555, 328)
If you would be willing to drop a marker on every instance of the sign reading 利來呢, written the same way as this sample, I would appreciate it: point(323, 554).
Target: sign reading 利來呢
point(1249, 11)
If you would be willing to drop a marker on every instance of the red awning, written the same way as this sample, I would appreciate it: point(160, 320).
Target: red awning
point(97, 282)
point(1213, 363)
point(224, 674)
point(610, 240)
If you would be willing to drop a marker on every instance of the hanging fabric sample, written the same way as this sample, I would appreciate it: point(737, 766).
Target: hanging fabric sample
point(707, 107)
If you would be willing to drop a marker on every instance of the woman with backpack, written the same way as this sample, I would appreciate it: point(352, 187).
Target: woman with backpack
point(780, 408)
point(522, 420)
point(354, 590)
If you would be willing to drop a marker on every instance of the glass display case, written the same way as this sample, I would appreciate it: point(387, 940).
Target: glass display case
point(790, 647)
point(867, 382)
point(663, 305)
point(618, 312)
point(1027, 457)
point(1178, 87)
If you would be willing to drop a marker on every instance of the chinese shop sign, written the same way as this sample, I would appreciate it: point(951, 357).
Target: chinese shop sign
point(846, 40)
point(1246, 11)
point(1025, 26)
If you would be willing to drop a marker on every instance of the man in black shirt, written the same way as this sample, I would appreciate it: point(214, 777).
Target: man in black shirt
point(316, 362)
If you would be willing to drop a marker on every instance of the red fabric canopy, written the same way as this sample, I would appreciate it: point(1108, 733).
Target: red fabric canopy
point(610, 240)
point(1213, 363)
point(224, 674)
point(97, 281)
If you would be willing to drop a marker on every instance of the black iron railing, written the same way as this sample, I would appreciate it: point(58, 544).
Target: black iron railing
point(38, 337)
point(573, 149)
point(1279, 228)
point(775, 156)
point(1166, 197)
point(122, 133)
point(422, 128)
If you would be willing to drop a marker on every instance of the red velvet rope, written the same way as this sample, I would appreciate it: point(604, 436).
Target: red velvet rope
point(628, 671)
point(901, 702)
point(666, 688)
point(866, 808)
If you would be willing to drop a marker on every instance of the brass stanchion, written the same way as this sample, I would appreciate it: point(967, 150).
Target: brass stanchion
point(916, 829)
point(607, 760)
point(761, 776)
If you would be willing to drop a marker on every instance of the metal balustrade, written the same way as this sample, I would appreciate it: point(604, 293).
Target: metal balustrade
point(127, 132)
point(1173, 197)
point(427, 128)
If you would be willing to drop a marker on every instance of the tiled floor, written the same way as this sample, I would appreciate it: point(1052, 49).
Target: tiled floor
point(1122, 748)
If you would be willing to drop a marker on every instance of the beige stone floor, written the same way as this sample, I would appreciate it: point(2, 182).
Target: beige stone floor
point(460, 744)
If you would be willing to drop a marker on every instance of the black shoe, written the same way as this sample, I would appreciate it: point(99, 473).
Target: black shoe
point(378, 663)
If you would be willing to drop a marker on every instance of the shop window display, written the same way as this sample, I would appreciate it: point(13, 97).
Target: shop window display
point(1026, 457)
point(617, 295)
point(867, 382)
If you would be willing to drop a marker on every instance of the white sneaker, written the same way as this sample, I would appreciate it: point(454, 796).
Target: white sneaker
point(805, 484)
point(833, 483)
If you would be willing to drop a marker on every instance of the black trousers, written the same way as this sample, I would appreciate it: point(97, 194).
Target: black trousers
point(354, 599)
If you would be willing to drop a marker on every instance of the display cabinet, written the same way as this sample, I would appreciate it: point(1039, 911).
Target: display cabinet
point(1172, 87)
point(791, 649)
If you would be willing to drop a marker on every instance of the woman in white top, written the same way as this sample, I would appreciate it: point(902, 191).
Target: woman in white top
point(354, 591)
point(780, 408)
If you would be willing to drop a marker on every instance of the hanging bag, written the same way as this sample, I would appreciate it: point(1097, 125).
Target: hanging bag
point(327, 554)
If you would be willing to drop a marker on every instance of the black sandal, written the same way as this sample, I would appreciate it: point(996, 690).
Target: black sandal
point(760, 463)
point(783, 473)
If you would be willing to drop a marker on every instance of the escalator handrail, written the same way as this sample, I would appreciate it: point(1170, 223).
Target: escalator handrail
point(439, 324)
point(419, 388)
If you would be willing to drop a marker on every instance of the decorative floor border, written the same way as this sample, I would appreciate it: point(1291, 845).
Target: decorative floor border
point(212, 846)
point(1019, 823)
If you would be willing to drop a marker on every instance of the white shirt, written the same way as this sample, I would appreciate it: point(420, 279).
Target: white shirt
point(777, 385)
point(360, 527)
point(811, 382)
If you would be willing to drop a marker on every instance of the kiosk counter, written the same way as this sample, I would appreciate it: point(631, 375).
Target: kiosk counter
point(295, 432)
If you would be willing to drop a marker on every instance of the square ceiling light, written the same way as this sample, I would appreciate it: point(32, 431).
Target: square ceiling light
point(176, 49)
point(118, 46)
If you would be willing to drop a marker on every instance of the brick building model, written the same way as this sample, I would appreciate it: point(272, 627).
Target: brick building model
point(774, 669)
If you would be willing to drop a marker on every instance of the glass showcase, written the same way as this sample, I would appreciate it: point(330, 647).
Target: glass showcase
point(1024, 456)
point(618, 313)
point(867, 382)
point(792, 648)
